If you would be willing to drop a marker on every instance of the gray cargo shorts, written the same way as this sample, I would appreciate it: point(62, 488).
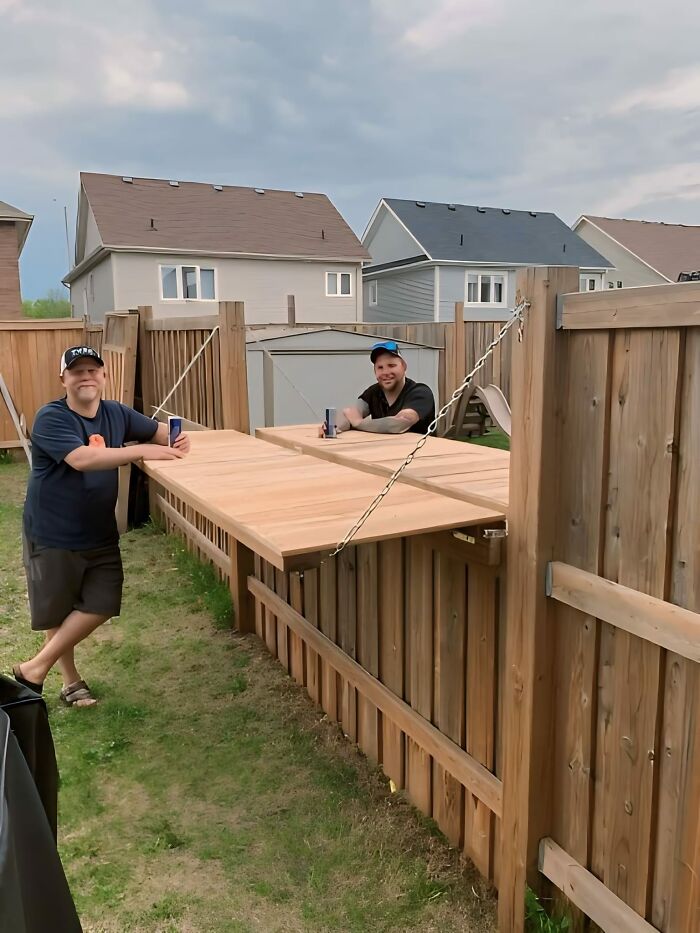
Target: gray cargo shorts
point(59, 581)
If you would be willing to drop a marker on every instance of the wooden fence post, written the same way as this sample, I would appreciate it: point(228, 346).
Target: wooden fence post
point(291, 311)
point(460, 347)
point(242, 567)
point(145, 360)
point(234, 373)
point(528, 694)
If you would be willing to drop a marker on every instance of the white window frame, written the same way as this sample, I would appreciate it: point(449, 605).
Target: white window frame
point(373, 292)
point(338, 272)
point(483, 275)
point(178, 267)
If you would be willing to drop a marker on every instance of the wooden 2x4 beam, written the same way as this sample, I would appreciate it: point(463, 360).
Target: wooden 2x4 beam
point(588, 893)
point(462, 766)
point(675, 305)
point(665, 624)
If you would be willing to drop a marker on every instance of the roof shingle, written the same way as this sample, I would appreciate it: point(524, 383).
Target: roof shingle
point(668, 248)
point(192, 216)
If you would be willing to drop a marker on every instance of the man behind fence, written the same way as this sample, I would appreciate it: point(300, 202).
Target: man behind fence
point(71, 542)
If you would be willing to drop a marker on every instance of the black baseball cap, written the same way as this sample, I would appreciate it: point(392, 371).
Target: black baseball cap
point(388, 346)
point(73, 354)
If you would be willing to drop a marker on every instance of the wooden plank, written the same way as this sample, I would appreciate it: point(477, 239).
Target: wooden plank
point(641, 489)
point(450, 671)
point(481, 699)
point(583, 425)
point(676, 893)
point(528, 689)
point(676, 305)
point(234, 373)
point(270, 623)
point(454, 759)
point(311, 612)
point(282, 590)
point(328, 624)
point(296, 645)
point(43, 325)
point(259, 623)
point(610, 913)
point(368, 645)
point(391, 651)
point(347, 634)
point(460, 348)
point(203, 322)
point(5, 392)
point(242, 567)
point(647, 617)
point(419, 634)
point(213, 553)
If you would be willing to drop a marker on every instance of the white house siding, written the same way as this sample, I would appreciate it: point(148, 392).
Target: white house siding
point(627, 269)
point(93, 292)
point(389, 241)
point(92, 234)
point(453, 288)
point(405, 295)
point(263, 284)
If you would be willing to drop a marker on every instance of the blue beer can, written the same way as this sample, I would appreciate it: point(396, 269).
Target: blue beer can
point(331, 427)
point(174, 429)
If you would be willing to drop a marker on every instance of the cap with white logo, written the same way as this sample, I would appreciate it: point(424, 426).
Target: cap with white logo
point(73, 354)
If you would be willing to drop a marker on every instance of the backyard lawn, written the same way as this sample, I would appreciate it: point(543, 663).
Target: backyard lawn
point(205, 793)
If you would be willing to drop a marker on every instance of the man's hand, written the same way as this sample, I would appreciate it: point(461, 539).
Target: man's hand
point(157, 452)
point(182, 443)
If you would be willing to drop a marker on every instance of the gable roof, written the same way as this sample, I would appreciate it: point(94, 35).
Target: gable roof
point(153, 214)
point(668, 248)
point(21, 221)
point(466, 233)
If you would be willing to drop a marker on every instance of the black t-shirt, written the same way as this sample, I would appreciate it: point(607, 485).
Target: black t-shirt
point(69, 508)
point(415, 395)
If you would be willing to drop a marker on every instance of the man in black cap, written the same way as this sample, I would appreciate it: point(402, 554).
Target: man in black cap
point(71, 542)
point(393, 404)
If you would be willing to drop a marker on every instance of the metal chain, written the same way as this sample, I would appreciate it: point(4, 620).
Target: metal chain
point(456, 395)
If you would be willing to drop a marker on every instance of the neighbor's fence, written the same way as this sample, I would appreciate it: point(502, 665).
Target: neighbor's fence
point(30, 353)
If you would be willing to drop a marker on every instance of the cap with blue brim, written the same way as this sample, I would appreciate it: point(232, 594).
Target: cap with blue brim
point(387, 346)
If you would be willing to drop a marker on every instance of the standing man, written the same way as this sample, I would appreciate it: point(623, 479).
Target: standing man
point(71, 542)
point(394, 404)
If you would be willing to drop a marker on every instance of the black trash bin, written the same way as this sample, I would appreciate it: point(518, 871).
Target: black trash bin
point(34, 893)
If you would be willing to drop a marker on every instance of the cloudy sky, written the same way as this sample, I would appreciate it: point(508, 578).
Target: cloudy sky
point(571, 107)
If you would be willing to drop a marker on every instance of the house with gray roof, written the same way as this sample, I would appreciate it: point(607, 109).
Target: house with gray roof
point(427, 256)
point(182, 246)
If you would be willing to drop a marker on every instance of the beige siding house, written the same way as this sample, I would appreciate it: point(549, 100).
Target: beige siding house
point(183, 246)
point(641, 252)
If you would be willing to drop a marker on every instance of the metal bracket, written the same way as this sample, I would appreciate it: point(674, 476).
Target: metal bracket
point(548, 582)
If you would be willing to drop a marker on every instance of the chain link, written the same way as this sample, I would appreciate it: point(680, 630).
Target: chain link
point(518, 316)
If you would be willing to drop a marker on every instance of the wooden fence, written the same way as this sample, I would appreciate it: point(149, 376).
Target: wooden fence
point(30, 353)
point(542, 705)
point(602, 694)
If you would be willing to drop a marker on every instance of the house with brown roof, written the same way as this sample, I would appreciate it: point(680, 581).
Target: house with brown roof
point(642, 252)
point(183, 246)
point(14, 227)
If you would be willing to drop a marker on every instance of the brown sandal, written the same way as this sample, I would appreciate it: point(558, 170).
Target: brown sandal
point(77, 694)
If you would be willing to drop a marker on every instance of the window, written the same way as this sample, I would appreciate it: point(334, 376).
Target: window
point(373, 287)
point(187, 283)
point(338, 284)
point(587, 285)
point(591, 285)
point(486, 289)
point(619, 284)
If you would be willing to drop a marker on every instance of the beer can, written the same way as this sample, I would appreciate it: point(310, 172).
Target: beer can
point(174, 429)
point(331, 428)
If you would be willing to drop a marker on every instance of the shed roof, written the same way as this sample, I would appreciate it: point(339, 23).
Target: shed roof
point(155, 214)
point(467, 233)
point(668, 248)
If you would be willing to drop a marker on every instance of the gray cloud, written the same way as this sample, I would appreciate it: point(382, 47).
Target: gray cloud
point(549, 106)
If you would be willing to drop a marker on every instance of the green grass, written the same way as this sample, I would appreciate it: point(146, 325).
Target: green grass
point(492, 438)
point(205, 792)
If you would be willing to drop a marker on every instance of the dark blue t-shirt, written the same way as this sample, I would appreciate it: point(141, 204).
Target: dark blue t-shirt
point(69, 508)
